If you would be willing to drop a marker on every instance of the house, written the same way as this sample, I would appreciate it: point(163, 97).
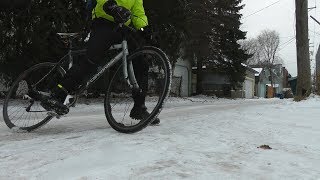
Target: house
point(249, 83)
point(182, 77)
point(263, 87)
point(293, 84)
point(215, 82)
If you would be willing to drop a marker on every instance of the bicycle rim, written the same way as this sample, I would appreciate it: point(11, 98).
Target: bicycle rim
point(20, 110)
point(119, 100)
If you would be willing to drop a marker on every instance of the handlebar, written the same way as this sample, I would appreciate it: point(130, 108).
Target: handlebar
point(122, 28)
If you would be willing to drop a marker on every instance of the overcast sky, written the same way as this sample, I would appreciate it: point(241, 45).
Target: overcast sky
point(281, 17)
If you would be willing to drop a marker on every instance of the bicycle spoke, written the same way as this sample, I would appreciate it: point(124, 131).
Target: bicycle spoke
point(126, 111)
point(15, 111)
point(119, 97)
point(19, 109)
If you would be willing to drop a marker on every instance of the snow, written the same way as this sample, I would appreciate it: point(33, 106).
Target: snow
point(203, 67)
point(199, 138)
point(244, 65)
point(259, 70)
point(274, 85)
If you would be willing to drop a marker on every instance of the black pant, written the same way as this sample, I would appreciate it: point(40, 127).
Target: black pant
point(102, 37)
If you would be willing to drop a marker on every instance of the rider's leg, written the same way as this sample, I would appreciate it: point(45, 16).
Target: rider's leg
point(76, 75)
point(141, 68)
point(67, 85)
point(101, 38)
point(139, 111)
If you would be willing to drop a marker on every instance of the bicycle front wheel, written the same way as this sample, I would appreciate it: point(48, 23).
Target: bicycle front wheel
point(119, 99)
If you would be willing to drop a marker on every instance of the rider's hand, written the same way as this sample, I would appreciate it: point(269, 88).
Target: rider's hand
point(148, 36)
point(119, 13)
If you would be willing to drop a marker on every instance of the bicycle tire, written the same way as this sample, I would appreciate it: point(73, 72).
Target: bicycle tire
point(13, 93)
point(120, 127)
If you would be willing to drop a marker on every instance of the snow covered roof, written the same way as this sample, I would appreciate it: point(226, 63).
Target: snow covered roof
point(203, 67)
point(259, 70)
point(293, 78)
point(244, 65)
point(249, 68)
point(274, 85)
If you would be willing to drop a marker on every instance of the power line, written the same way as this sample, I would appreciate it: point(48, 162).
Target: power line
point(282, 46)
point(262, 9)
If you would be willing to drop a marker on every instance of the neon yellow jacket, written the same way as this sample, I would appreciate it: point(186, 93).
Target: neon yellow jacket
point(138, 16)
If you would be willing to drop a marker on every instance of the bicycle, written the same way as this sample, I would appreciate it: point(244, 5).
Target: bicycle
point(22, 111)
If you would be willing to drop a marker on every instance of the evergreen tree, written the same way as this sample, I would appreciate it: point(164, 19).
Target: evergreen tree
point(29, 36)
point(205, 29)
point(231, 56)
point(167, 21)
point(214, 30)
point(200, 33)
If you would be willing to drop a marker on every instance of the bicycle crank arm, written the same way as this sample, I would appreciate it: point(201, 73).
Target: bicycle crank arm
point(31, 104)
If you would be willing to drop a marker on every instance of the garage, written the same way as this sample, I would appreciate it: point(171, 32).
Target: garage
point(248, 88)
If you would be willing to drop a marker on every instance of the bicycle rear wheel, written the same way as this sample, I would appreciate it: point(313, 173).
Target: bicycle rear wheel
point(119, 101)
point(21, 109)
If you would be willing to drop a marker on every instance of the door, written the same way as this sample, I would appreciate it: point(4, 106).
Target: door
point(249, 89)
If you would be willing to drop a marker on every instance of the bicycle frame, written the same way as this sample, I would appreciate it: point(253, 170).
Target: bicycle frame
point(128, 70)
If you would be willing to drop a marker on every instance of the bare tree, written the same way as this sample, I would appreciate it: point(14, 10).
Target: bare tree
point(269, 42)
point(264, 50)
point(251, 46)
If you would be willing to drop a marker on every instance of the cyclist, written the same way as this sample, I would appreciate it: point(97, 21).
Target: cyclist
point(106, 16)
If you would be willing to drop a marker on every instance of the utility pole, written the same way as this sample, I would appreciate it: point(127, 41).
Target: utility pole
point(317, 64)
point(318, 71)
point(303, 57)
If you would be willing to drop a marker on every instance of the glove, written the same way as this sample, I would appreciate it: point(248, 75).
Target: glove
point(148, 35)
point(119, 13)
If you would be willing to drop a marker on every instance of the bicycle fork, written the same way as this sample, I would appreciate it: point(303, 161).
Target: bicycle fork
point(128, 70)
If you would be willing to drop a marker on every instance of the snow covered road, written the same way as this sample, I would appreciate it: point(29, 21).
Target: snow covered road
point(200, 139)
